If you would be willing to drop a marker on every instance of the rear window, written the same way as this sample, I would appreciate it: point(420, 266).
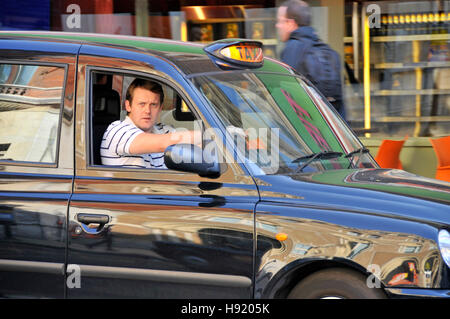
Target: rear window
point(30, 112)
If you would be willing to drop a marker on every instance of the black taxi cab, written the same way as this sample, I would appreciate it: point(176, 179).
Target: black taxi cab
point(279, 199)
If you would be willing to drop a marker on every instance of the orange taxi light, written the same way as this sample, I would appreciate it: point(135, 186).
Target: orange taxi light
point(236, 53)
point(243, 53)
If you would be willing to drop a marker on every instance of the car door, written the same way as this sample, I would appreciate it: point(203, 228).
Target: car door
point(37, 81)
point(149, 232)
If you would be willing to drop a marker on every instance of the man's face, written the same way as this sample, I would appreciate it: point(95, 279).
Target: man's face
point(284, 25)
point(144, 108)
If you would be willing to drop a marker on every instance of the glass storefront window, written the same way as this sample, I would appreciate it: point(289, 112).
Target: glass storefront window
point(404, 58)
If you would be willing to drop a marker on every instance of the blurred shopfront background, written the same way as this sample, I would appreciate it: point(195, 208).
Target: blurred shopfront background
point(395, 53)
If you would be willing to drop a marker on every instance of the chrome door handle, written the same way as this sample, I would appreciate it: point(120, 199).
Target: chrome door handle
point(92, 223)
point(92, 219)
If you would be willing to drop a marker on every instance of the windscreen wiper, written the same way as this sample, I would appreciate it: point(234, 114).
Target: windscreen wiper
point(360, 152)
point(312, 157)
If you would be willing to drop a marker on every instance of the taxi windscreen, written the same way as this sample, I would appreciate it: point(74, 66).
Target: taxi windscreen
point(280, 124)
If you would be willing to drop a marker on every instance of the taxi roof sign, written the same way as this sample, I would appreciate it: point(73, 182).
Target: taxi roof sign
point(236, 53)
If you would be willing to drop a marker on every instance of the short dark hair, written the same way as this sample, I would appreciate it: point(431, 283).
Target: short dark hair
point(299, 11)
point(145, 84)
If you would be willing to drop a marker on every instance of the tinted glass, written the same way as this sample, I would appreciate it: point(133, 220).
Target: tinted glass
point(30, 108)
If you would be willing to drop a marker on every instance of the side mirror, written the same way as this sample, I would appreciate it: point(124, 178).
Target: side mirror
point(191, 158)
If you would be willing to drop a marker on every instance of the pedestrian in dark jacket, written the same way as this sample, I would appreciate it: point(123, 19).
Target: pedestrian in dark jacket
point(307, 54)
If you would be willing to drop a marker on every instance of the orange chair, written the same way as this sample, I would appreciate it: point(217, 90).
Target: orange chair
point(388, 155)
point(442, 149)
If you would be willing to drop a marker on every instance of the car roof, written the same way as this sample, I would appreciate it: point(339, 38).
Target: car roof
point(189, 57)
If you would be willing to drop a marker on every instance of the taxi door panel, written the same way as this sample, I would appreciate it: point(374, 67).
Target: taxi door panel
point(160, 246)
point(157, 233)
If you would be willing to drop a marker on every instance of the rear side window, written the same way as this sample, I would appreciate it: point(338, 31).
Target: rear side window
point(30, 109)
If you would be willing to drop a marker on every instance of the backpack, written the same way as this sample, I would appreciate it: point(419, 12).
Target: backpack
point(321, 65)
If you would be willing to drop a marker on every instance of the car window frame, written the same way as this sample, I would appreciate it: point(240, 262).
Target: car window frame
point(89, 114)
point(65, 67)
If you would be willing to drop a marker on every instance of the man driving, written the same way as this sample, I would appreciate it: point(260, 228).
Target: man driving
point(138, 141)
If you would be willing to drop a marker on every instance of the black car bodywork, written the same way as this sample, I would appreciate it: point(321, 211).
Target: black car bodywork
point(171, 234)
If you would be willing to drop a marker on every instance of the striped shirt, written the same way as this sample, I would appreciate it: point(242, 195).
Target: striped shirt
point(115, 146)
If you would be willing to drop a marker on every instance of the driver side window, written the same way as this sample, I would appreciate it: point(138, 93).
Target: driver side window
point(112, 126)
